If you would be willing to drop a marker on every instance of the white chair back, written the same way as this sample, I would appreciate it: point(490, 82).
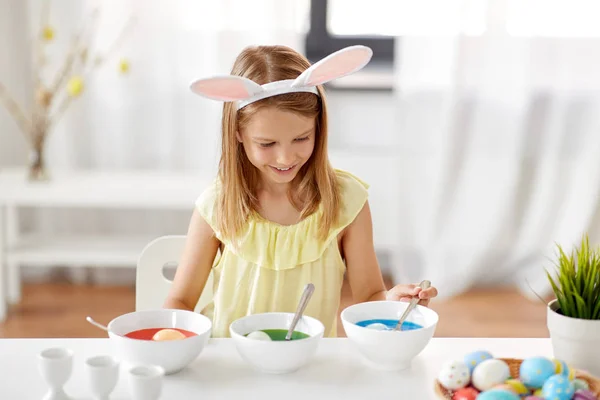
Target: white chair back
point(151, 285)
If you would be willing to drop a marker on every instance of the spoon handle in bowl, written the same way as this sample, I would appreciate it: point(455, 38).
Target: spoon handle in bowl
point(413, 303)
point(308, 291)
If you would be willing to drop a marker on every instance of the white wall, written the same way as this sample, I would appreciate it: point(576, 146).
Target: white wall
point(13, 148)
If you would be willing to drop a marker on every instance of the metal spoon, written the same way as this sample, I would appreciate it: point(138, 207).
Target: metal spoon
point(96, 324)
point(308, 291)
point(413, 303)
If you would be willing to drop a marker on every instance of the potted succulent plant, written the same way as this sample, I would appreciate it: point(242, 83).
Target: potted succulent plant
point(573, 318)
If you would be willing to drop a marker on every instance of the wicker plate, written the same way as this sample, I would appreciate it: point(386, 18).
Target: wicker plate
point(514, 364)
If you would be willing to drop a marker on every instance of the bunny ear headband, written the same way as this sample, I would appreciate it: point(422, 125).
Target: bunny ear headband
point(245, 91)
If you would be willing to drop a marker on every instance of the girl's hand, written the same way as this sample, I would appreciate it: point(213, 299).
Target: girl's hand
point(408, 292)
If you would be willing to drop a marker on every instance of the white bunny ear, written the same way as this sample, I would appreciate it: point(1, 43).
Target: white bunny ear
point(226, 88)
point(336, 65)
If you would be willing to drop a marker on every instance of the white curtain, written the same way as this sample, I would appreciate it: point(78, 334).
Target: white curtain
point(499, 138)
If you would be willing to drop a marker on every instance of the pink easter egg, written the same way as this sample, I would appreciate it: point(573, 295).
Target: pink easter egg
point(584, 395)
point(467, 393)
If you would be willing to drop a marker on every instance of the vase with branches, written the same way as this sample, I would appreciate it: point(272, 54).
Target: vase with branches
point(52, 97)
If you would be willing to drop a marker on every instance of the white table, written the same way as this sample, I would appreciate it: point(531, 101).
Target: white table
point(336, 372)
point(133, 190)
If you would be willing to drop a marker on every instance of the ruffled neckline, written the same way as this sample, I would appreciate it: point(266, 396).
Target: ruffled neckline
point(276, 246)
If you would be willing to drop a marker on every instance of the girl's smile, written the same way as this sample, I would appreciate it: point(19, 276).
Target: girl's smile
point(284, 170)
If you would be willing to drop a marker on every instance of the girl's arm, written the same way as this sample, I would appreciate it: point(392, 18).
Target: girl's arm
point(195, 264)
point(362, 268)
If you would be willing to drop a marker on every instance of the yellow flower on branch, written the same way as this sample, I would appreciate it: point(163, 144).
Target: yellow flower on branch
point(124, 66)
point(75, 86)
point(48, 33)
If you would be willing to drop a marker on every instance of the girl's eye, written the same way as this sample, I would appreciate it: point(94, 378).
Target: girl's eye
point(267, 144)
point(302, 139)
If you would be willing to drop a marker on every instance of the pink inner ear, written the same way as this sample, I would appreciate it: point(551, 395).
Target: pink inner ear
point(224, 89)
point(339, 65)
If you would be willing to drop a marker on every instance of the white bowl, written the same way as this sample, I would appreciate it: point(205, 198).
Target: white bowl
point(388, 350)
point(172, 355)
point(276, 357)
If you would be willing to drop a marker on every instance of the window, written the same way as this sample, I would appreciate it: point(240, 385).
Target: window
point(332, 26)
point(553, 18)
point(380, 24)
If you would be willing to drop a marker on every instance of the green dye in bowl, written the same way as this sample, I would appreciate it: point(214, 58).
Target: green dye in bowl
point(279, 334)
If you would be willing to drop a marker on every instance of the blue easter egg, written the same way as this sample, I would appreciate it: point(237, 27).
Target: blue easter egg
point(534, 371)
point(473, 359)
point(558, 387)
point(497, 394)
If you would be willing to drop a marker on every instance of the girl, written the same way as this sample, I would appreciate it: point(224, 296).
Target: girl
point(279, 216)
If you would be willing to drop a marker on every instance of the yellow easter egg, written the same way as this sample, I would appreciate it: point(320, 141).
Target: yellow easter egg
point(168, 334)
point(517, 386)
point(48, 33)
point(124, 66)
point(538, 393)
point(75, 86)
point(562, 368)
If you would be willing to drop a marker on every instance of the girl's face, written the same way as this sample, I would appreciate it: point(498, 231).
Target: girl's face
point(278, 143)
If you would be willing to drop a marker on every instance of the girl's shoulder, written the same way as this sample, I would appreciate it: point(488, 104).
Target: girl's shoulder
point(206, 203)
point(354, 193)
point(350, 184)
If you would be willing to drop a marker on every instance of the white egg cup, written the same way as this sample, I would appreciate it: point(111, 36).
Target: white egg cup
point(103, 374)
point(56, 366)
point(145, 381)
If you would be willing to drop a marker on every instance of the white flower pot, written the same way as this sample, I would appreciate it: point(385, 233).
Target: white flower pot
point(575, 341)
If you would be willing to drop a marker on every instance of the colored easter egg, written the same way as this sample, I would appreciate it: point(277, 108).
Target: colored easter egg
point(259, 335)
point(534, 371)
point(377, 326)
point(563, 368)
point(496, 394)
point(490, 373)
point(466, 393)
point(533, 398)
point(584, 395)
point(168, 334)
point(558, 387)
point(538, 392)
point(476, 357)
point(454, 375)
point(504, 386)
point(517, 386)
point(580, 384)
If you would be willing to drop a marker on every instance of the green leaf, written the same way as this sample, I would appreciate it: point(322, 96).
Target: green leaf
point(577, 281)
point(582, 309)
point(596, 312)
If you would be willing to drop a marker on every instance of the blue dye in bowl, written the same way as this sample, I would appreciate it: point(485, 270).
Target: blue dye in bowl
point(390, 324)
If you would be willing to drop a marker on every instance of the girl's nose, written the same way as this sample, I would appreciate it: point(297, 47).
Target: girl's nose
point(285, 158)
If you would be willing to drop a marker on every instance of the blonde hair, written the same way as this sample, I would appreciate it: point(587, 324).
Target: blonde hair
point(315, 184)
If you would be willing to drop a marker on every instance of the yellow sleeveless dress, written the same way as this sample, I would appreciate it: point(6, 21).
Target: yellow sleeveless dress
point(273, 263)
